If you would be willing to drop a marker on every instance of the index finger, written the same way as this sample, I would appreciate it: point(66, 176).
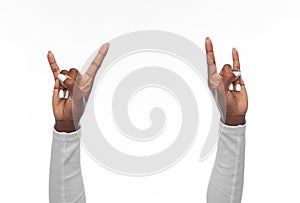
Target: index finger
point(210, 56)
point(53, 64)
point(236, 60)
point(95, 65)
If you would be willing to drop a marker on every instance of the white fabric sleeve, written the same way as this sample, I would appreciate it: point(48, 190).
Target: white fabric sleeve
point(65, 182)
point(227, 178)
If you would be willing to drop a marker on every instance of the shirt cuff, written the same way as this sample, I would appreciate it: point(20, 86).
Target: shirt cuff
point(66, 137)
point(232, 130)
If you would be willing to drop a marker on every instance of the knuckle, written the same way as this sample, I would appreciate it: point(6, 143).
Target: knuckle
point(227, 67)
point(73, 70)
point(64, 72)
point(69, 82)
point(95, 64)
point(54, 70)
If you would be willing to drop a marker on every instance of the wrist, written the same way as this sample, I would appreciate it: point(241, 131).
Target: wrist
point(235, 120)
point(66, 126)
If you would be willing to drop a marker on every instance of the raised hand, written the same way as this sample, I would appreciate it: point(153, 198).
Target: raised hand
point(227, 87)
point(72, 90)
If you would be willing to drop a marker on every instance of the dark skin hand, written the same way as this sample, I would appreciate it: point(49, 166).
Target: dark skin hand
point(67, 112)
point(232, 104)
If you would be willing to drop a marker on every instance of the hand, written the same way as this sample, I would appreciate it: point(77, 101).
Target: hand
point(71, 91)
point(233, 104)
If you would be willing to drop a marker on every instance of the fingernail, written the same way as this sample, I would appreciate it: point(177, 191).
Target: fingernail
point(237, 73)
point(61, 94)
point(61, 77)
point(238, 87)
point(231, 86)
point(67, 94)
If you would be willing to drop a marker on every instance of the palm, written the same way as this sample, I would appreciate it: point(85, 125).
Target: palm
point(64, 109)
point(237, 103)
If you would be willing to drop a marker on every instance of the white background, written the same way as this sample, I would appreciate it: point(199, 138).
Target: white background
point(265, 33)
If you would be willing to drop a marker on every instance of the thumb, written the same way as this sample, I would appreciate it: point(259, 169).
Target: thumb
point(66, 81)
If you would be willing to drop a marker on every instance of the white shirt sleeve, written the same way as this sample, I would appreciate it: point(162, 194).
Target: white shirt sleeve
point(65, 182)
point(227, 178)
point(225, 185)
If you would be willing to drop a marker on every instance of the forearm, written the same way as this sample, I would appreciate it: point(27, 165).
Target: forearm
point(65, 183)
point(226, 181)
